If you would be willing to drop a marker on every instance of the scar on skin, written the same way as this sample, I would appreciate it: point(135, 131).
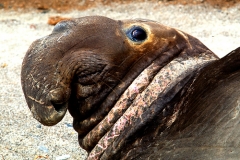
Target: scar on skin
point(40, 102)
point(33, 78)
point(64, 34)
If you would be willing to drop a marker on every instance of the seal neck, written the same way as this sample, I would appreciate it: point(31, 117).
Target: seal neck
point(153, 100)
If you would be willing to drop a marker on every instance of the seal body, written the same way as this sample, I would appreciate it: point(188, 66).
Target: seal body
point(136, 89)
point(207, 123)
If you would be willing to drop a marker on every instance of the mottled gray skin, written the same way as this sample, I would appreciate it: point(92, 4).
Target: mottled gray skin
point(162, 95)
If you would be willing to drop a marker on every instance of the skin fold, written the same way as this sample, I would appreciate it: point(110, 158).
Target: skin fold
point(128, 84)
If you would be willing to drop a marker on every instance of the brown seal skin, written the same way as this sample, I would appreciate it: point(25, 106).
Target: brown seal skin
point(136, 89)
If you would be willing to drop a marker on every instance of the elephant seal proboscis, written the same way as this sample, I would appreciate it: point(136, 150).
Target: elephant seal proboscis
point(136, 90)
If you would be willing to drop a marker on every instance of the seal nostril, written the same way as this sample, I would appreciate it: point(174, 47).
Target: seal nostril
point(59, 107)
point(58, 97)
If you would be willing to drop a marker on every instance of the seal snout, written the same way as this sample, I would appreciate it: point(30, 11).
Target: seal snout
point(52, 108)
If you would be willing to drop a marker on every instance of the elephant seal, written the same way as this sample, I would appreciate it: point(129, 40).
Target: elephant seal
point(136, 89)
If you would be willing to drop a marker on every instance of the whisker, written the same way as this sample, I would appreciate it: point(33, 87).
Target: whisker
point(115, 77)
point(112, 89)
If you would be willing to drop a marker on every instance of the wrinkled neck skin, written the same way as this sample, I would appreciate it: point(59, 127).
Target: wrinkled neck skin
point(113, 87)
point(155, 93)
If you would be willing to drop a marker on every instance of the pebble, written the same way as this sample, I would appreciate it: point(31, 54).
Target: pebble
point(43, 148)
point(69, 125)
point(63, 157)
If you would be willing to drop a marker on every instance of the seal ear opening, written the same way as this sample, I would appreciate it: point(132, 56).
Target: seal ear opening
point(137, 34)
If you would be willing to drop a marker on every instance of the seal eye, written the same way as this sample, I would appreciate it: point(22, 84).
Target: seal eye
point(137, 34)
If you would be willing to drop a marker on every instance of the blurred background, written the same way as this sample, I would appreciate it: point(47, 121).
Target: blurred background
point(63, 5)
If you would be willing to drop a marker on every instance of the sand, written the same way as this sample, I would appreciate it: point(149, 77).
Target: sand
point(21, 136)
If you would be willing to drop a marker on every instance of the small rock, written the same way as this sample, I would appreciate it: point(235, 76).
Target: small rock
point(43, 148)
point(55, 19)
point(4, 65)
point(39, 126)
point(63, 157)
point(69, 125)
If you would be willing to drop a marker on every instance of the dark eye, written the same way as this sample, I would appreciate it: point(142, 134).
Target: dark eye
point(137, 34)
